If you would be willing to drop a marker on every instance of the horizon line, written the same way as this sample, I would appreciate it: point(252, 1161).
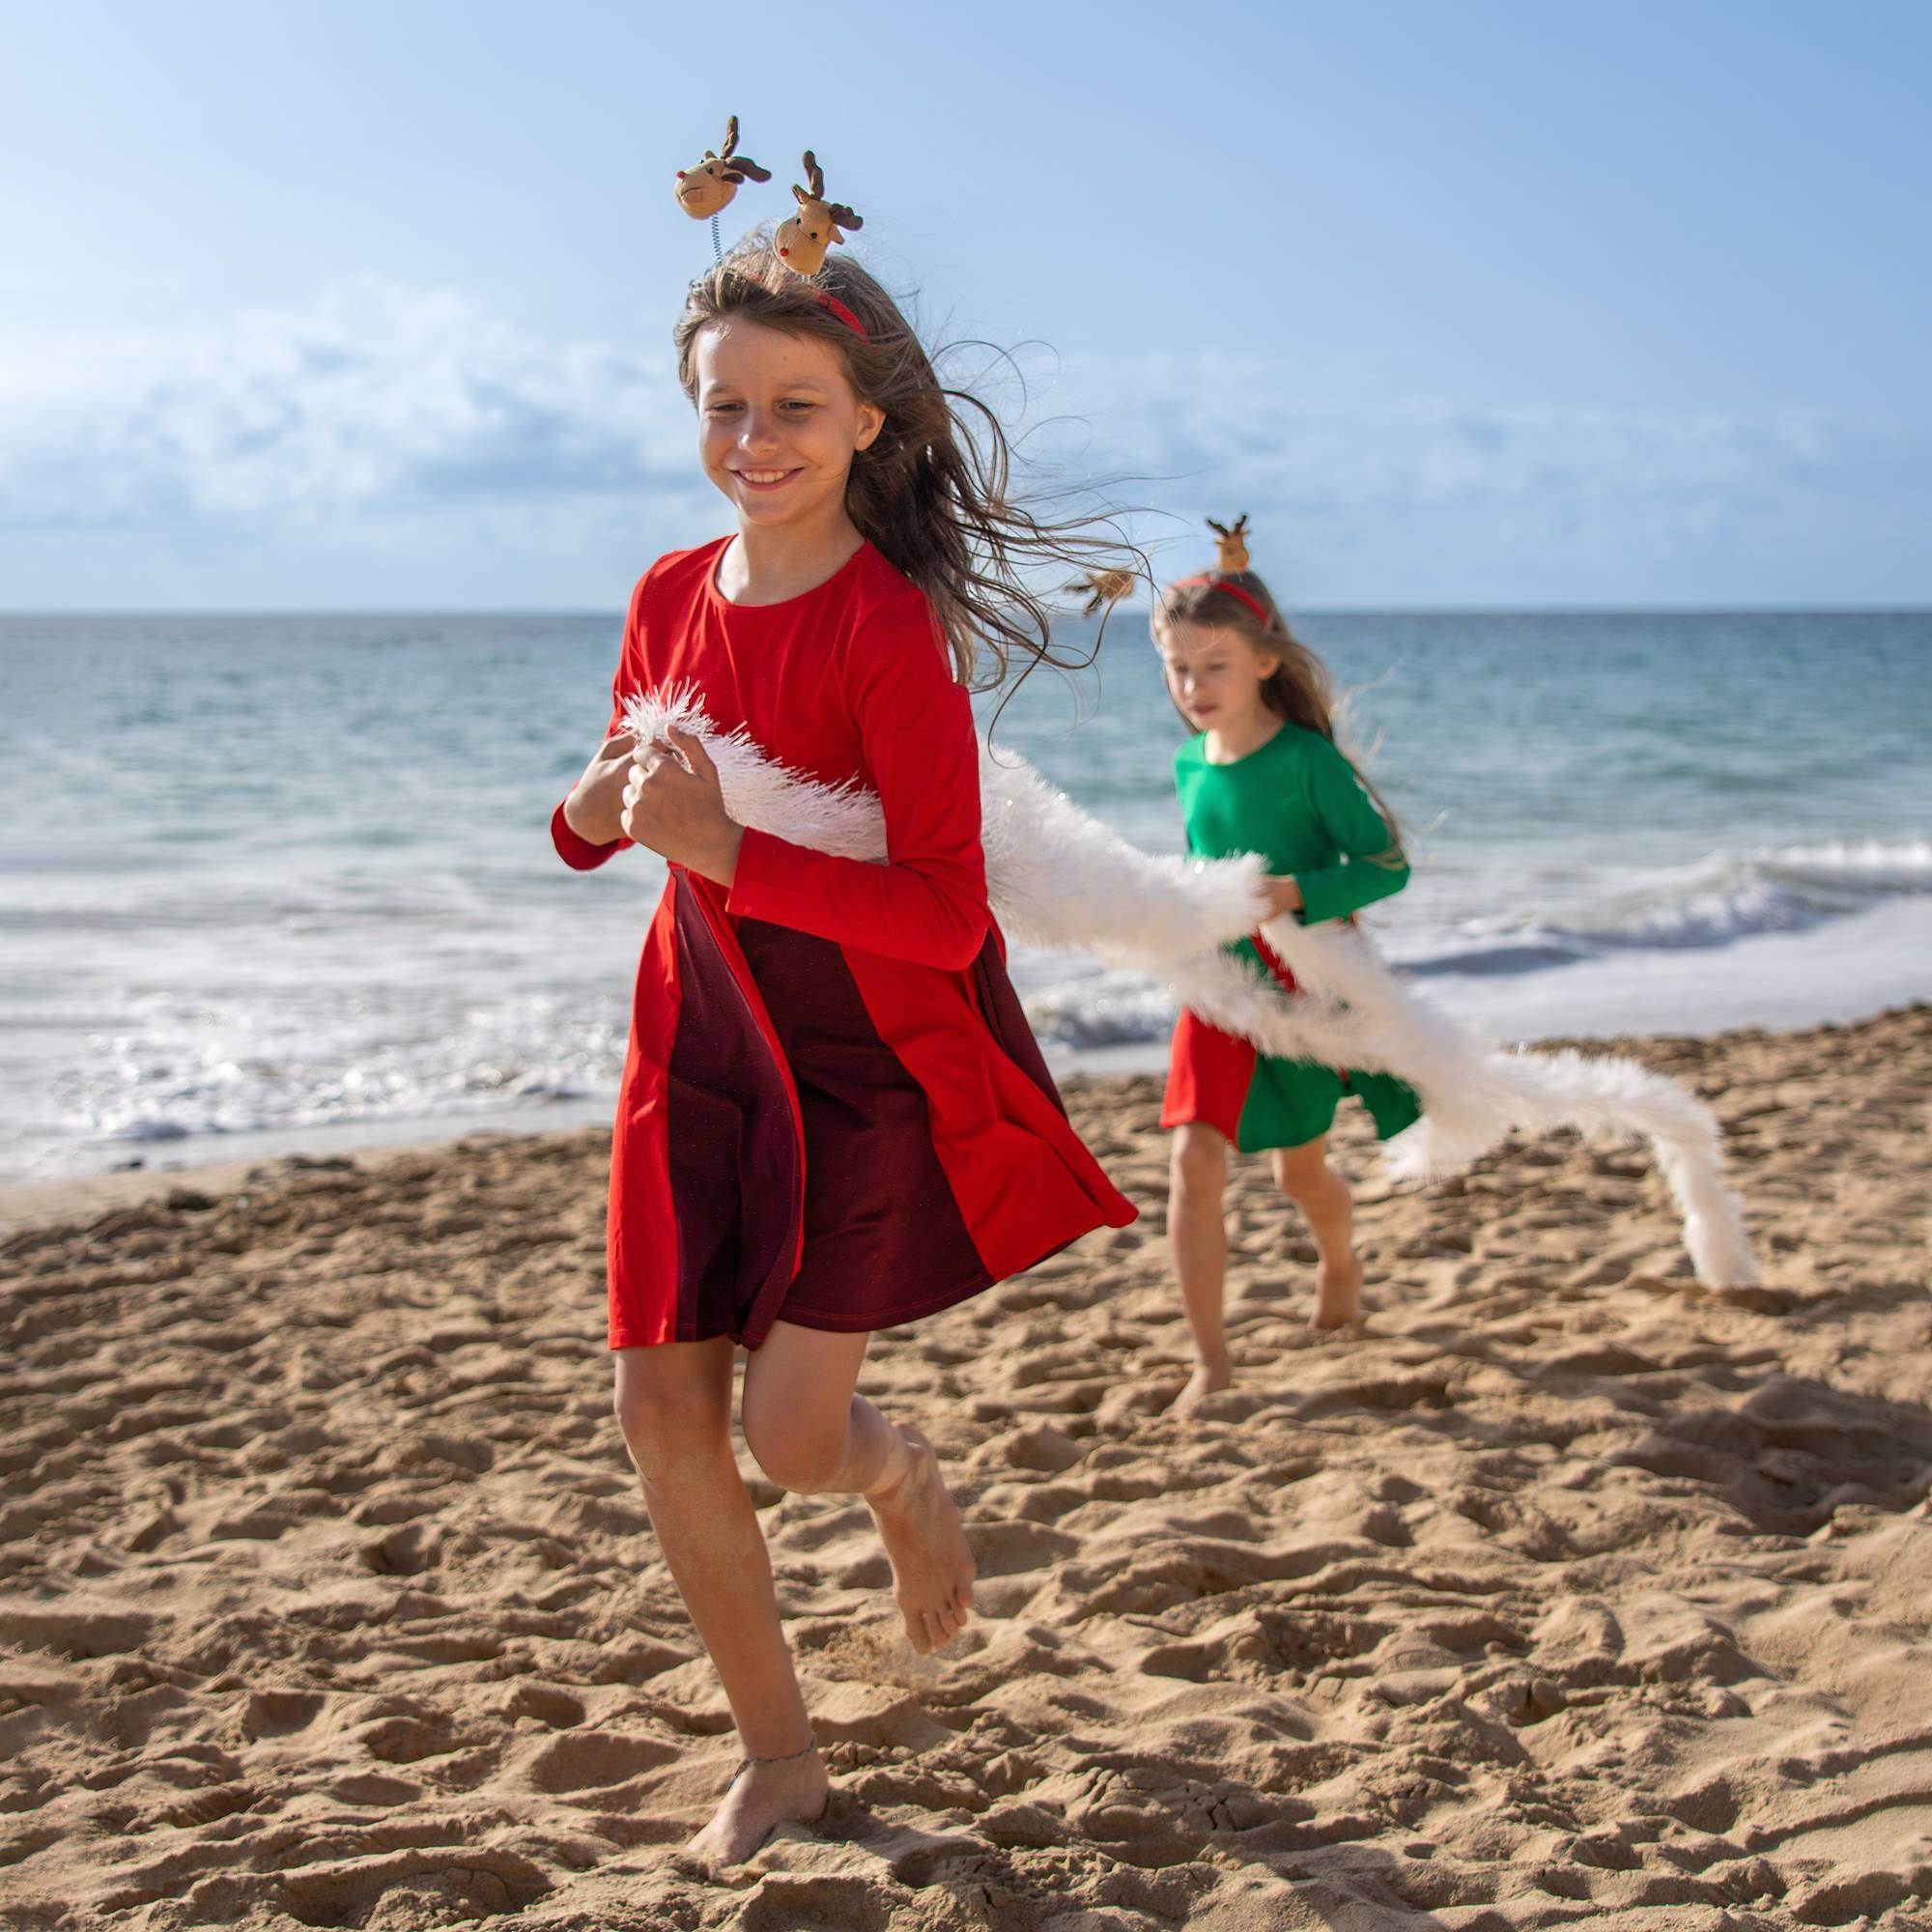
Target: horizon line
point(1404, 610)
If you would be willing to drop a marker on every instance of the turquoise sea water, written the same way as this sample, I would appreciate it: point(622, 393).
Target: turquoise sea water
point(292, 874)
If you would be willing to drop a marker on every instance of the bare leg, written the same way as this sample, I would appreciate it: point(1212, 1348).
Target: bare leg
point(675, 1405)
point(1322, 1196)
point(812, 1435)
point(1198, 1175)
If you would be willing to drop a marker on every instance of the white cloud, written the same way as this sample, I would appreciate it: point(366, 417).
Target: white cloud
point(376, 401)
point(1238, 426)
point(1366, 498)
point(385, 421)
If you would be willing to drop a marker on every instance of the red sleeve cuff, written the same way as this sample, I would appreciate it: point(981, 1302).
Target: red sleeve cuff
point(575, 852)
point(757, 879)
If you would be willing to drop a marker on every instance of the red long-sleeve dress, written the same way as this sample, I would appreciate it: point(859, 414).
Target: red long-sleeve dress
point(832, 1109)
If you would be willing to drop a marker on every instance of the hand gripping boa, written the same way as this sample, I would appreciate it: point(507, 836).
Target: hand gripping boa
point(1058, 878)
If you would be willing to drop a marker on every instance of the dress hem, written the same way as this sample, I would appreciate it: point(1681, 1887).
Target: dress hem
point(875, 1322)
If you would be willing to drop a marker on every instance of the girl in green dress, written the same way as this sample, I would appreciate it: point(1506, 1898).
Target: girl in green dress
point(1263, 774)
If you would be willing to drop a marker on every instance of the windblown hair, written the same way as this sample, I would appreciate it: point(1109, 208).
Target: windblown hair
point(1300, 688)
point(932, 492)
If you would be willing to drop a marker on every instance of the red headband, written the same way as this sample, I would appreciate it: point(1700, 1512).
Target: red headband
point(844, 314)
point(1253, 602)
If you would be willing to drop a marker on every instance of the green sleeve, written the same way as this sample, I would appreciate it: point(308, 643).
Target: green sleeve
point(1371, 866)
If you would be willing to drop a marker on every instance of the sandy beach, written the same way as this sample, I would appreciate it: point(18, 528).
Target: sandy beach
point(1567, 1594)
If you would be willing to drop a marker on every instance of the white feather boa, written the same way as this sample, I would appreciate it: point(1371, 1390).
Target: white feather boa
point(1056, 877)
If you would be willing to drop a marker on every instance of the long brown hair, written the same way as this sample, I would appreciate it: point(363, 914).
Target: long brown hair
point(933, 489)
point(1300, 688)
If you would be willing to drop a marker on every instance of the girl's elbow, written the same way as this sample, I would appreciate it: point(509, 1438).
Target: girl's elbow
point(964, 939)
point(1389, 869)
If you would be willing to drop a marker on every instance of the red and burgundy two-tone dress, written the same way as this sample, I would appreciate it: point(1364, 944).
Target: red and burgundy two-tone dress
point(833, 1112)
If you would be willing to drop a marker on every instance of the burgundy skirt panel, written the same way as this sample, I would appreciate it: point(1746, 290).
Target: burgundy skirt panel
point(884, 1237)
point(737, 1180)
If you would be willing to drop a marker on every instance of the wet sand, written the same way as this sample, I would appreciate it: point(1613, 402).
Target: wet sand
point(1566, 1593)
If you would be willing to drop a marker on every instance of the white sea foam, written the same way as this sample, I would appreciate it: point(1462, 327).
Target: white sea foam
point(1723, 901)
point(1713, 901)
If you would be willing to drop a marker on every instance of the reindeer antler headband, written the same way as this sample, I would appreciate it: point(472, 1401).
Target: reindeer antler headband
point(1231, 545)
point(707, 189)
point(1100, 588)
point(802, 239)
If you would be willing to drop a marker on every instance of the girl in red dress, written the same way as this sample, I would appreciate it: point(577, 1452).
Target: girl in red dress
point(834, 1118)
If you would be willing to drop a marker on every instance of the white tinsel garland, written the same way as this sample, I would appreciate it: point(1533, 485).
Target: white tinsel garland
point(1056, 877)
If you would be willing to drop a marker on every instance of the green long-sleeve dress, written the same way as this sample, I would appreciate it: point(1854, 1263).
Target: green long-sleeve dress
point(1297, 801)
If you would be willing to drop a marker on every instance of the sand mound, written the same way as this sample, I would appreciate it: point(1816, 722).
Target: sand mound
point(1568, 1594)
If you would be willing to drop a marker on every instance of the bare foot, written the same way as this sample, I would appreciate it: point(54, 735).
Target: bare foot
point(1206, 1380)
point(759, 1798)
point(932, 1568)
point(1338, 1294)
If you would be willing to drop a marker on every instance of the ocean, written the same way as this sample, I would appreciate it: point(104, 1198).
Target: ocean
point(284, 881)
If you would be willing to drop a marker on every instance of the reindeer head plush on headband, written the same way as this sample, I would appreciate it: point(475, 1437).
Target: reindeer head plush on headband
point(709, 186)
point(804, 238)
point(1101, 588)
point(1231, 546)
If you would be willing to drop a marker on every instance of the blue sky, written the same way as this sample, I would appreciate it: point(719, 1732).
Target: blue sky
point(355, 305)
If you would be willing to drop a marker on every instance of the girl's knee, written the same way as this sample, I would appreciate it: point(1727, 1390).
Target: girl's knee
point(799, 1407)
point(1303, 1173)
point(665, 1418)
point(802, 1453)
point(1199, 1162)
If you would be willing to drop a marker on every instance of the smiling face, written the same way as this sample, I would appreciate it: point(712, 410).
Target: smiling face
point(779, 422)
point(1215, 676)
